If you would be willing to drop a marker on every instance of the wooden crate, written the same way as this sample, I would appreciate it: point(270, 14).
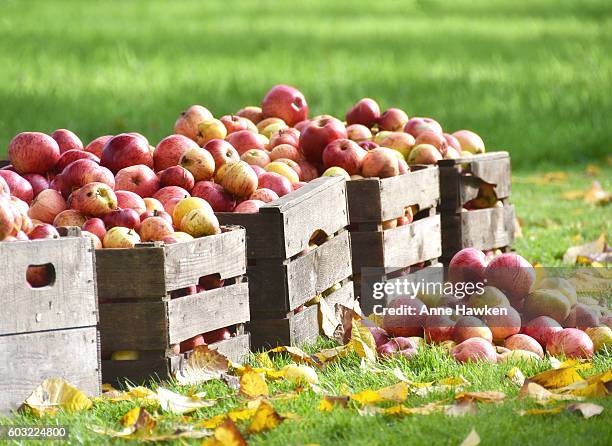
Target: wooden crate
point(373, 201)
point(138, 313)
point(484, 229)
point(284, 272)
point(48, 331)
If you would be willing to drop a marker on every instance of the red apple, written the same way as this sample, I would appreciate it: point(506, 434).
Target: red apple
point(153, 204)
point(245, 140)
point(365, 112)
point(424, 154)
point(169, 193)
point(258, 170)
point(176, 176)
point(97, 145)
point(572, 343)
point(346, 154)
point(130, 200)
point(469, 141)
point(222, 152)
point(128, 218)
point(393, 120)
point(265, 195)
point(317, 135)
point(42, 231)
point(238, 179)
point(163, 214)
point(308, 172)
point(170, 149)
point(285, 102)
point(275, 182)
point(126, 150)
point(95, 199)
point(189, 120)
point(38, 182)
point(191, 343)
point(468, 265)
point(542, 328)
point(252, 113)
point(199, 162)
point(155, 229)
point(451, 141)
point(249, 206)
point(474, 350)
point(138, 179)
point(33, 152)
point(416, 126)
point(18, 186)
point(72, 155)
point(524, 342)
point(95, 226)
point(47, 205)
point(368, 145)
point(468, 327)
point(433, 138)
point(5, 191)
point(256, 157)
point(81, 172)
point(234, 123)
point(358, 132)
point(215, 195)
point(438, 328)
point(511, 273)
point(221, 334)
point(67, 140)
point(398, 321)
point(380, 162)
point(211, 282)
point(69, 217)
point(285, 151)
point(505, 325)
point(289, 136)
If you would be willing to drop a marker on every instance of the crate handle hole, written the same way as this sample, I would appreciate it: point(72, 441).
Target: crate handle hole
point(40, 276)
point(318, 237)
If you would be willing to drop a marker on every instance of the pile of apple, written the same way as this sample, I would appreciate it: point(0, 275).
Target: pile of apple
point(542, 316)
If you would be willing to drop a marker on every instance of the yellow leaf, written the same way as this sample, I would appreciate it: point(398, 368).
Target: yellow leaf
point(516, 376)
point(253, 384)
point(593, 387)
point(179, 404)
point(426, 409)
point(328, 403)
point(587, 410)
point(362, 341)
point(473, 439)
point(234, 415)
point(542, 395)
point(265, 418)
point(376, 318)
point(592, 170)
point(138, 420)
point(556, 378)
point(483, 397)
point(551, 411)
point(596, 195)
point(453, 381)
point(227, 434)
point(264, 359)
point(297, 354)
point(54, 394)
point(330, 354)
point(397, 392)
point(202, 365)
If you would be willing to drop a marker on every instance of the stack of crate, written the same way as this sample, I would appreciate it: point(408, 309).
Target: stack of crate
point(298, 249)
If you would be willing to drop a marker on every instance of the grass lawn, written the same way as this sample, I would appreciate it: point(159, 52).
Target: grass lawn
point(531, 76)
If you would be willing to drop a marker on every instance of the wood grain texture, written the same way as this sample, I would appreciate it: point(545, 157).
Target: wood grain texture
point(236, 348)
point(26, 360)
point(142, 371)
point(296, 329)
point(264, 233)
point(207, 311)
point(344, 296)
point(70, 301)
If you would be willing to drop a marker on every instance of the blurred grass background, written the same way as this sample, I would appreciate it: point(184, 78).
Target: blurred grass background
point(531, 76)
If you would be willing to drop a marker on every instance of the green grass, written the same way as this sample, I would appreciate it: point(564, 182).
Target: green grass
point(496, 424)
point(529, 75)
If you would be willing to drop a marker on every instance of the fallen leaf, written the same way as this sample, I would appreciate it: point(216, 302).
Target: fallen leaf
point(233, 382)
point(594, 386)
point(551, 411)
point(587, 410)
point(596, 196)
point(490, 396)
point(516, 376)
point(234, 415)
point(297, 354)
point(592, 170)
point(227, 434)
point(265, 418)
point(331, 354)
point(328, 403)
point(585, 250)
point(329, 321)
point(397, 392)
point(253, 384)
point(264, 360)
point(345, 316)
point(557, 378)
point(202, 365)
point(138, 420)
point(473, 439)
point(542, 395)
point(426, 409)
point(55, 394)
point(461, 408)
point(176, 403)
point(362, 341)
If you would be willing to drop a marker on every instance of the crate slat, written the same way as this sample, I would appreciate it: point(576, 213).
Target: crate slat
point(297, 329)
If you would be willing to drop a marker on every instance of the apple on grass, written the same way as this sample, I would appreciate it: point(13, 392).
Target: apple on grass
point(188, 122)
point(285, 102)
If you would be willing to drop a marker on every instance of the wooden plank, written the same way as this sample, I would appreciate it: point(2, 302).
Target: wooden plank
point(494, 171)
point(296, 329)
point(264, 232)
point(398, 247)
point(364, 200)
point(236, 348)
point(344, 296)
point(26, 360)
point(133, 326)
point(70, 301)
point(207, 311)
point(152, 368)
point(223, 254)
point(486, 229)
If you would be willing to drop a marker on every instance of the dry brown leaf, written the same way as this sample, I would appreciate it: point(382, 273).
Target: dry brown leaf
point(557, 378)
point(328, 403)
point(542, 395)
point(54, 394)
point(473, 439)
point(297, 354)
point(139, 421)
point(265, 418)
point(253, 384)
point(490, 396)
point(426, 409)
point(587, 410)
point(397, 392)
point(597, 196)
point(362, 341)
point(227, 434)
point(595, 247)
point(345, 316)
point(331, 354)
point(202, 365)
point(461, 408)
point(176, 403)
point(595, 386)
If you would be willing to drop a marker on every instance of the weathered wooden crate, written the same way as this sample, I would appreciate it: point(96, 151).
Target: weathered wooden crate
point(138, 313)
point(485, 229)
point(48, 331)
point(297, 247)
point(373, 201)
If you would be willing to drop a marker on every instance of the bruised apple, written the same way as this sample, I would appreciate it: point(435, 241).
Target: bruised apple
point(95, 199)
point(120, 237)
point(69, 217)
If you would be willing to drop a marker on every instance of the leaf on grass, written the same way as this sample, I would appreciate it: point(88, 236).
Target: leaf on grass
point(426, 409)
point(227, 434)
point(423, 389)
point(345, 316)
point(587, 410)
point(329, 321)
point(176, 403)
point(397, 392)
point(253, 384)
point(264, 360)
point(588, 249)
point(596, 195)
point(594, 386)
point(551, 411)
point(490, 396)
point(202, 365)
point(328, 403)
point(233, 382)
point(265, 418)
point(516, 376)
point(592, 170)
point(234, 415)
point(461, 408)
point(557, 378)
point(54, 394)
point(542, 395)
point(297, 354)
point(473, 439)
point(362, 341)
point(331, 354)
point(547, 178)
